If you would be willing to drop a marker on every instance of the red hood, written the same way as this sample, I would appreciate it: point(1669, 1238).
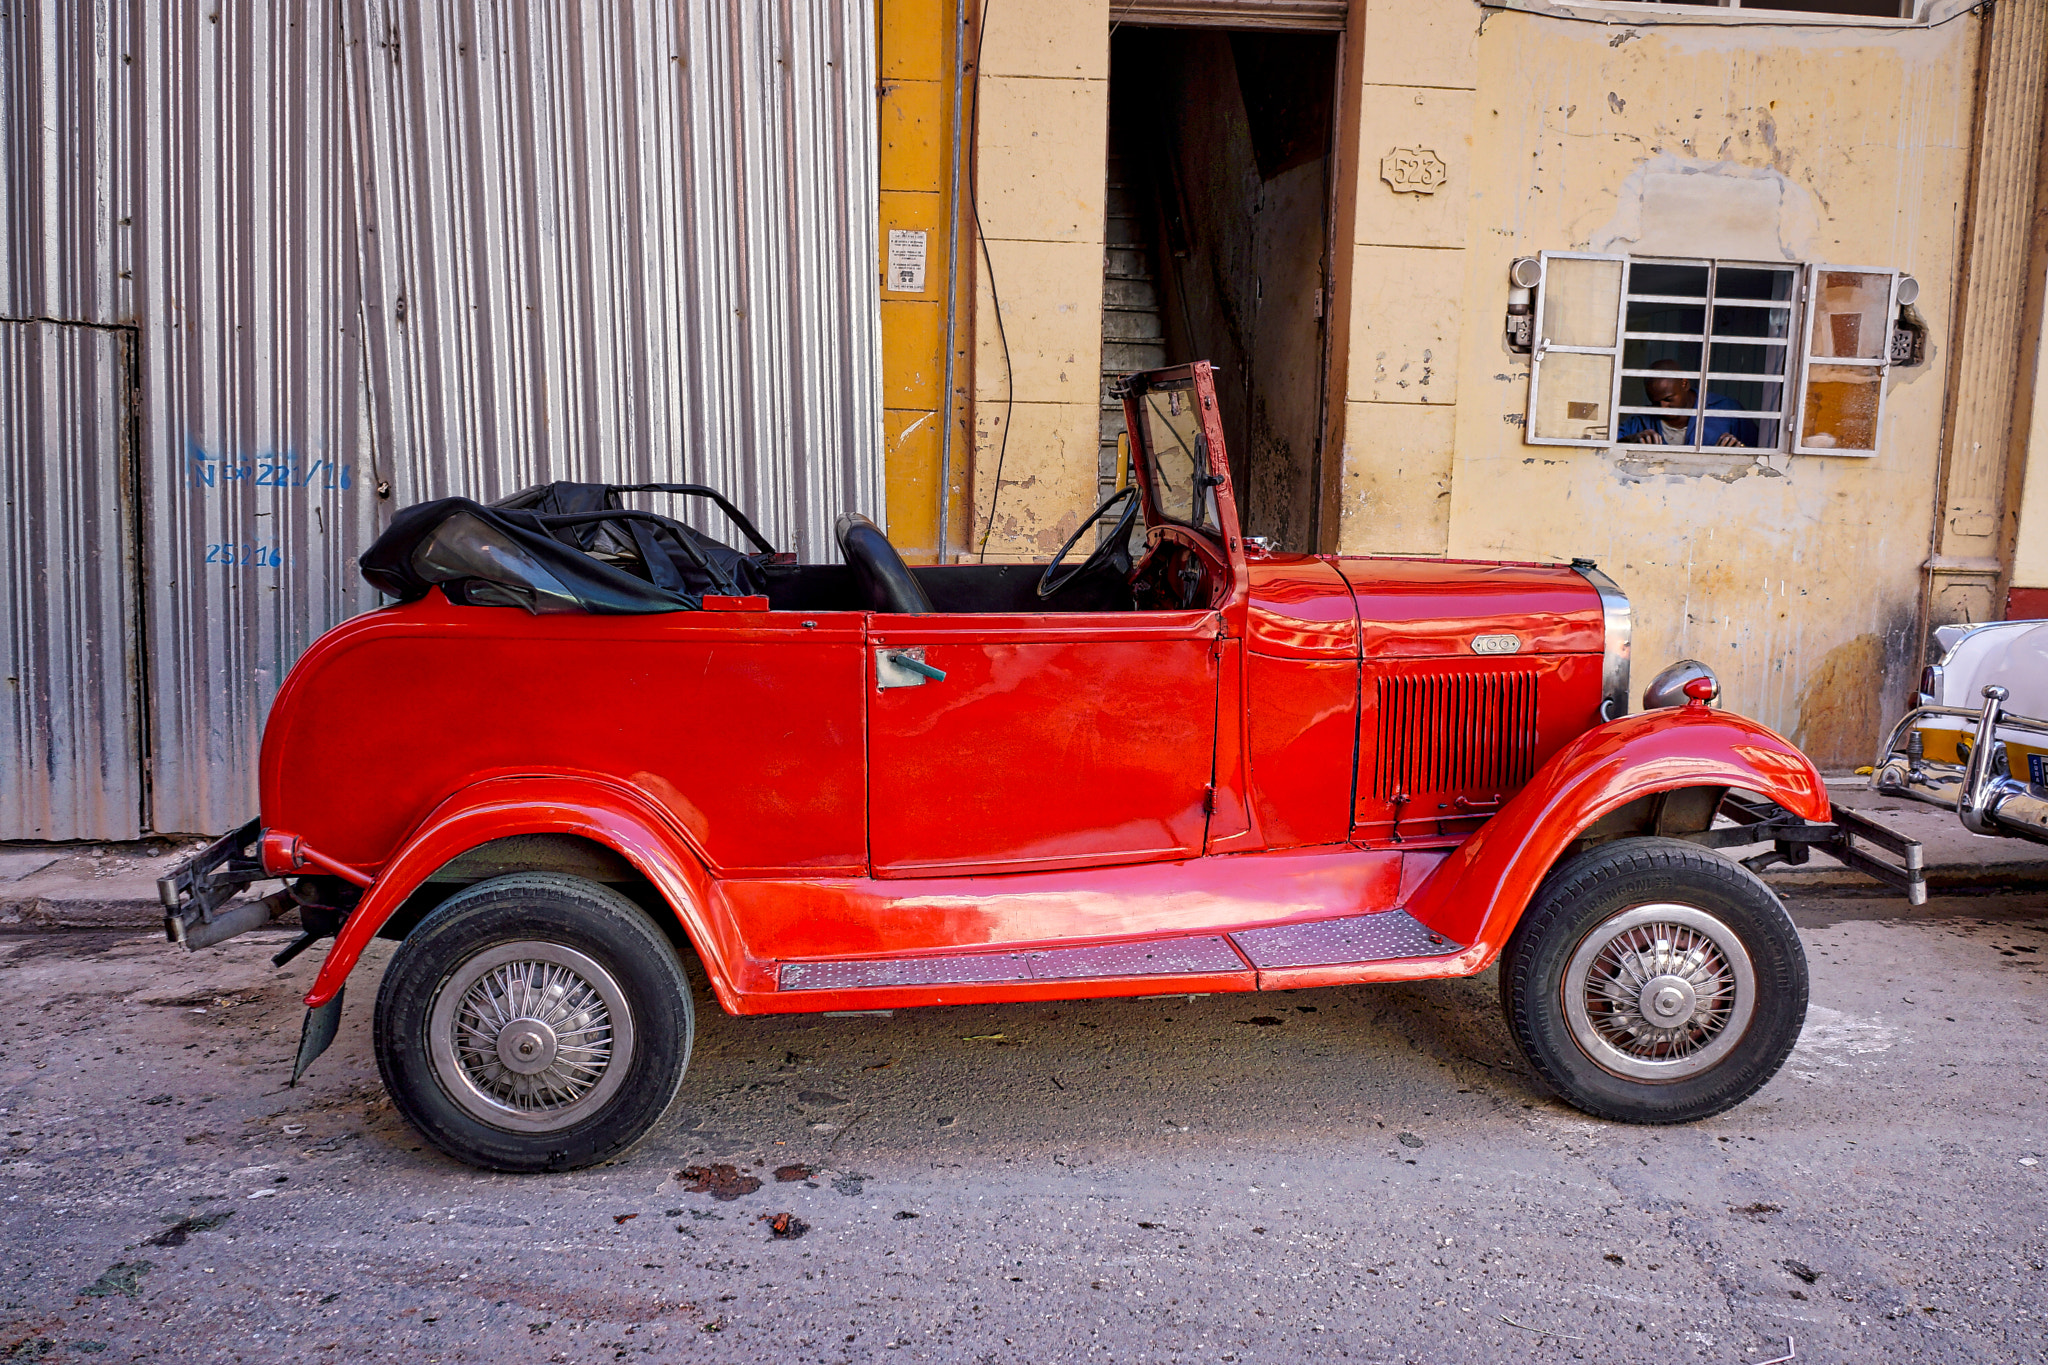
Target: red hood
point(1413, 608)
point(1317, 606)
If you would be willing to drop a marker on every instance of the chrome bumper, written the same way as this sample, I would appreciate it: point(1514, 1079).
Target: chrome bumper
point(1982, 790)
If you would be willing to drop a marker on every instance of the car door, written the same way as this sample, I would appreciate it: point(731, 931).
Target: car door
point(1023, 741)
point(1052, 741)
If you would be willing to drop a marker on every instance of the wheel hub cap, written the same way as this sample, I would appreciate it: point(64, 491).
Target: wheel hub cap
point(531, 1036)
point(526, 1047)
point(1659, 992)
point(1668, 1001)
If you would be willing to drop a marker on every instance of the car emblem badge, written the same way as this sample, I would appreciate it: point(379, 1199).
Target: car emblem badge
point(1496, 644)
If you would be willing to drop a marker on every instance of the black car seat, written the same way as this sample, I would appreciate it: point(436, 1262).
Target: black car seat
point(886, 583)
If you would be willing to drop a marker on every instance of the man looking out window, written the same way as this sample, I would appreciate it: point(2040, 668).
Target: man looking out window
point(1676, 393)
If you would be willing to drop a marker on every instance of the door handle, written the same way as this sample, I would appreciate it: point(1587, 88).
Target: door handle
point(904, 668)
point(905, 659)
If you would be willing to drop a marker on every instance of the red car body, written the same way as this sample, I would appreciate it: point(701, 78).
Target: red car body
point(1327, 770)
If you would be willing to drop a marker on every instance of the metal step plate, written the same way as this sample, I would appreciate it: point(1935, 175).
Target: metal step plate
point(1354, 938)
point(1164, 957)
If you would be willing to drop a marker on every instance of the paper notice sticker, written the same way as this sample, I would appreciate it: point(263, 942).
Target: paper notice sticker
point(906, 261)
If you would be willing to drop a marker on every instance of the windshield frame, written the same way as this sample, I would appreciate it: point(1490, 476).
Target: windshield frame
point(1213, 514)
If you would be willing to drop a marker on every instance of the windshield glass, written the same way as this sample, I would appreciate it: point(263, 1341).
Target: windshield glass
point(1177, 456)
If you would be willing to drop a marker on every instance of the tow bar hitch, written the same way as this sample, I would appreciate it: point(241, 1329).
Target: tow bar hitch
point(1793, 840)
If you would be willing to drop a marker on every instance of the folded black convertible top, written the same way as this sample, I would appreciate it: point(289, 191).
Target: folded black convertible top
point(563, 547)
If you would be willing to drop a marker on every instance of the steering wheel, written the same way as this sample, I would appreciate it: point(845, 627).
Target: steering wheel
point(1116, 550)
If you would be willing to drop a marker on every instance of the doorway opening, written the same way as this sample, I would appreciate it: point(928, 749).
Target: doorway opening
point(1218, 246)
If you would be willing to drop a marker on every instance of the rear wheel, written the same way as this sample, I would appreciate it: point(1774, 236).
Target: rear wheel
point(534, 1022)
point(1653, 981)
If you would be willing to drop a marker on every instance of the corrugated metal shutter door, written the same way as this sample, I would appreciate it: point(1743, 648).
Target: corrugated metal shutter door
point(625, 242)
point(1327, 15)
point(70, 745)
point(628, 244)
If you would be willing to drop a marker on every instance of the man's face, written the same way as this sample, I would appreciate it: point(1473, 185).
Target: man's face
point(1669, 393)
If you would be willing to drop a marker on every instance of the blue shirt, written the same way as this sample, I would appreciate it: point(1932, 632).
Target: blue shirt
point(1743, 428)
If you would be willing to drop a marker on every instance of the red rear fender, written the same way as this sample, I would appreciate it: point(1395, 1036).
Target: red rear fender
point(1478, 893)
point(597, 809)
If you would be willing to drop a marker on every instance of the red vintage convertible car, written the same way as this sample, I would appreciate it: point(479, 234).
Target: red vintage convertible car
point(1200, 767)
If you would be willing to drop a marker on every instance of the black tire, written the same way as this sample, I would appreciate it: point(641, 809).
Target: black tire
point(1592, 935)
point(611, 983)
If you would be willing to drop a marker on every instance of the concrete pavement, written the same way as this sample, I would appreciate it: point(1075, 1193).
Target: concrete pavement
point(1365, 1175)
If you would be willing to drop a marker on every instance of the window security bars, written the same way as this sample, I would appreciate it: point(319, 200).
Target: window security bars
point(1707, 355)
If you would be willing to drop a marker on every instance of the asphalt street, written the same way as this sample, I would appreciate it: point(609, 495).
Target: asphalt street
point(1367, 1175)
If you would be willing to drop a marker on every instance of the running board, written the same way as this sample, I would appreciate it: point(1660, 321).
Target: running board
point(1380, 937)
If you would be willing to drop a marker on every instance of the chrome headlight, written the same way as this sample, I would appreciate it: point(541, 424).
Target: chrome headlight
point(1614, 616)
point(1668, 687)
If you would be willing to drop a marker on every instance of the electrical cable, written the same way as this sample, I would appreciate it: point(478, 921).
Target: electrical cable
point(989, 273)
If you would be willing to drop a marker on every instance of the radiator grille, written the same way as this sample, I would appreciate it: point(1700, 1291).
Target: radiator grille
point(1455, 732)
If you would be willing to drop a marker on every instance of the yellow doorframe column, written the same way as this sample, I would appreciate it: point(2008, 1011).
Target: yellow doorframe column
point(923, 171)
point(1974, 518)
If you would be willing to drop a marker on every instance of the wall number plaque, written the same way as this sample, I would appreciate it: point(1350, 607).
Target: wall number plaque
point(1413, 170)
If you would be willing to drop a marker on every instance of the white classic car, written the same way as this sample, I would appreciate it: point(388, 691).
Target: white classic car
point(1971, 743)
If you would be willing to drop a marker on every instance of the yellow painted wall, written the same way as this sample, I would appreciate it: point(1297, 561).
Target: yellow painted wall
point(1401, 260)
point(1040, 171)
point(1796, 577)
point(914, 43)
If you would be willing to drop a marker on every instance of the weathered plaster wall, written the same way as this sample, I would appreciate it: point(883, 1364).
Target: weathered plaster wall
point(1798, 578)
point(1040, 162)
point(1795, 577)
point(914, 45)
point(1404, 275)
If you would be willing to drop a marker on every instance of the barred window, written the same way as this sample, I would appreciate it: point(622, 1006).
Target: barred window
point(1707, 355)
point(1706, 350)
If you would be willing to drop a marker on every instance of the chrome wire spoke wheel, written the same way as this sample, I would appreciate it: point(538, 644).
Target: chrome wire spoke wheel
point(530, 1037)
point(1659, 992)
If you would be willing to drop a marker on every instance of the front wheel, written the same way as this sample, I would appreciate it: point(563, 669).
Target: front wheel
point(534, 1022)
point(1652, 981)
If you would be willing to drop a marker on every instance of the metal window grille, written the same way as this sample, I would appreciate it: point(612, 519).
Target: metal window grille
point(1709, 355)
point(1716, 335)
point(1781, 10)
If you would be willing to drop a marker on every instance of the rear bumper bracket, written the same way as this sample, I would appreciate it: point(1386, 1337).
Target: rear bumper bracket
point(197, 892)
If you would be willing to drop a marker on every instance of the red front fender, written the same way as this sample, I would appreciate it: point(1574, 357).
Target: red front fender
point(1477, 894)
point(618, 817)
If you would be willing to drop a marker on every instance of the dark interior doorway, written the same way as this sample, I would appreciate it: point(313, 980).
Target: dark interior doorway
point(1218, 244)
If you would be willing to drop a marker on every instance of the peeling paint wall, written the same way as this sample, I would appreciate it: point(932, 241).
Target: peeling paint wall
point(1042, 110)
point(1796, 577)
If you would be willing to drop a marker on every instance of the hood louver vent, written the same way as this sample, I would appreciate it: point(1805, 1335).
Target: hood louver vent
point(1444, 733)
